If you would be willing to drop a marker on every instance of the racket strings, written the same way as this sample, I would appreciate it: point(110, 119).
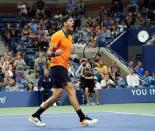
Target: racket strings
point(90, 51)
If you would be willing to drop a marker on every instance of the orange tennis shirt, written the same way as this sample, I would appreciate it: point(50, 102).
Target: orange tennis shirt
point(59, 40)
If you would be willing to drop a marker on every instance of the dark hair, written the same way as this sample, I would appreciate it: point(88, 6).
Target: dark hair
point(66, 18)
point(28, 85)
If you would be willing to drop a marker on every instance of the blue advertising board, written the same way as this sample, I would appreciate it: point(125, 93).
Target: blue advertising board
point(107, 96)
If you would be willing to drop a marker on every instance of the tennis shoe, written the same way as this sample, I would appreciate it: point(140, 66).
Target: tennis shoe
point(36, 121)
point(88, 122)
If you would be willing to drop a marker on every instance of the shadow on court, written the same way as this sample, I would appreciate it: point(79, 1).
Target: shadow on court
point(69, 122)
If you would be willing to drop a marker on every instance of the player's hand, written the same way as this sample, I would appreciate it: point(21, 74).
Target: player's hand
point(58, 52)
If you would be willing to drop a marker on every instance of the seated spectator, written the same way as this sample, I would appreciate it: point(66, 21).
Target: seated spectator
point(1, 80)
point(139, 69)
point(114, 70)
point(8, 83)
point(97, 58)
point(132, 79)
point(131, 63)
point(107, 82)
point(97, 74)
point(129, 21)
point(1, 75)
point(120, 81)
point(85, 34)
point(139, 20)
point(101, 37)
point(42, 43)
point(34, 26)
point(97, 84)
point(31, 87)
point(149, 80)
point(58, 15)
point(101, 67)
point(20, 46)
point(25, 33)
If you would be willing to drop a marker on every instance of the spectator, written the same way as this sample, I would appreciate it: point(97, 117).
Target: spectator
point(8, 33)
point(131, 63)
point(25, 33)
point(40, 64)
point(81, 6)
point(114, 70)
point(107, 82)
point(139, 20)
point(97, 58)
point(1, 75)
point(101, 67)
point(17, 30)
point(132, 79)
point(84, 33)
point(7, 65)
point(9, 83)
point(30, 9)
point(139, 69)
point(153, 74)
point(34, 26)
point(42, 43)
point(97, 74)
point(19, 66)
point(149, 80)
point(71, 4)
point(97, 84)
point(88, 85)
point(20, 46)
point(83, 63)
point(31, 87)
point(129, 20)
point(45, 85)
point(22, 9)
point(40, 5)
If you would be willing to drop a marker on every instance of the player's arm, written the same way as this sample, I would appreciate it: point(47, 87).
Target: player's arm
point(53, 50)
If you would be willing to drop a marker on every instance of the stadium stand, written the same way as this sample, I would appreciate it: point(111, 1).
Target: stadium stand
point(26, 34)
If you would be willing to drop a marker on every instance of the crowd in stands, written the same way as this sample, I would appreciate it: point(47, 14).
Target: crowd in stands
point(139, 13)
point(27, 36)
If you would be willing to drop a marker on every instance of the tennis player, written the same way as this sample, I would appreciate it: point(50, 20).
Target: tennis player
point(60, 49)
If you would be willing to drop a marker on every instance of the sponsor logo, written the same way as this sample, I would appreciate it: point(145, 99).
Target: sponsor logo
point(143, 92)
point(2, 100)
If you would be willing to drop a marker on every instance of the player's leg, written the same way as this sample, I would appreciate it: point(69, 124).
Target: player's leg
point(97, 96)
point(84, 121)
point(56, 95)
point(86, 92)
point(35, 118)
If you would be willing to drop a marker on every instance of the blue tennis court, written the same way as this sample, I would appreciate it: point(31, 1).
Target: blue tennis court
point(108, 121)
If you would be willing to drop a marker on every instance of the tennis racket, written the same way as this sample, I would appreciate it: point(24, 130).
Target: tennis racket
point(90, 52)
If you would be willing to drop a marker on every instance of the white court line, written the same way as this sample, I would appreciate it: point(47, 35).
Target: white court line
point(126, 113)
point(55, 115)
point(74, 114)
